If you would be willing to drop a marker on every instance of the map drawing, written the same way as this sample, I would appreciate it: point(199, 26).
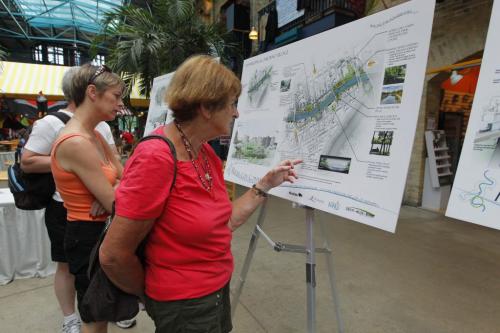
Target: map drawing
point(258, 86)
point(475, 196)
point(158, 112)
point(340, 107)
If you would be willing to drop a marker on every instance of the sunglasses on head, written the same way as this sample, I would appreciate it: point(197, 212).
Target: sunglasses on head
point(101, 69)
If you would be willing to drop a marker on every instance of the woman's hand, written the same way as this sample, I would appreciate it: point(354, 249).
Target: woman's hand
point(97, 209)
point(284, 172)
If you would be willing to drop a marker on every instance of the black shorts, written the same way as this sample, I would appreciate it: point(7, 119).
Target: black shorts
point(55, 221)
point(207, 314)
point(81, 236)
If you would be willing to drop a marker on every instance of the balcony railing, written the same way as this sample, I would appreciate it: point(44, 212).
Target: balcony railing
point(319, 8)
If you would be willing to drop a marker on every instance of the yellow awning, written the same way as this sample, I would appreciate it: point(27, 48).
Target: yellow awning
point(20, 80)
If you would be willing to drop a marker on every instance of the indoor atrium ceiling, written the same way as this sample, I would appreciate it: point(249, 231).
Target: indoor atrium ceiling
point(66, 21)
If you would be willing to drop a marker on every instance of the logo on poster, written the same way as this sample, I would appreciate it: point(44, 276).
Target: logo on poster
point(334, 205)
point(316, 199)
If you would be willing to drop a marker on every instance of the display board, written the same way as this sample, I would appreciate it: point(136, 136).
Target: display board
point(346, 101)
point(158, 113)
point(475, 196)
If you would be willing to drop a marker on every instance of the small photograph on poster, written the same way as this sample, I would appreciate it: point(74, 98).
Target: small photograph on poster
point(392, 94)
point(258, 86)
point(285, 85)
point(258, 150)
point(395, 74)
point(334, 163)
point(489, 127)
point(159, 97)
point(381, 143)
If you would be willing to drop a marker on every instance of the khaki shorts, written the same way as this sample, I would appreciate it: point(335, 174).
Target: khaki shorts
point(207, 314)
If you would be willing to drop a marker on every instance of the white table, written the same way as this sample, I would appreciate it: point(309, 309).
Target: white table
point(7, 158)
point(24, 243)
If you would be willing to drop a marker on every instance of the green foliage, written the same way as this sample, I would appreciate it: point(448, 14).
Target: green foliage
point(147, 42)
point(370, 6)
point(395, 74)
point(3, 54)
point(251, 151)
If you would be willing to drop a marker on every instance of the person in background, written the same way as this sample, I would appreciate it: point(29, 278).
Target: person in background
point(85, 170)
point(136, 133)
point(41, 104)
point(36, 159)
point(188, 259)
point(127, 142)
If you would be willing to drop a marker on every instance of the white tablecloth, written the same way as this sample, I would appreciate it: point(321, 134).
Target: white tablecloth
point(24, 243)
point(6, 158)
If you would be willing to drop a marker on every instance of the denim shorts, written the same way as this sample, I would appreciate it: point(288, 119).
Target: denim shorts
point(80, 239)
point(207, 314)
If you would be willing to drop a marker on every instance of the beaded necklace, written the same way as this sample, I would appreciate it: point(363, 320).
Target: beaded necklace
point(206, 180)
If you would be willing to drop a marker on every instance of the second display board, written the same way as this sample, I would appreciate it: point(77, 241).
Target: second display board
point(346, 101)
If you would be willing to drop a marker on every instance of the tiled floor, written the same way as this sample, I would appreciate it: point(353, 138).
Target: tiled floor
point(433, 275)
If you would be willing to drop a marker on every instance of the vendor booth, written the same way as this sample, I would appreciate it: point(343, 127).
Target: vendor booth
point(25, 81)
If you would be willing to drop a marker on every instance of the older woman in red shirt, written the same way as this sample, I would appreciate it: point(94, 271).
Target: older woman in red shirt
point(188, 260)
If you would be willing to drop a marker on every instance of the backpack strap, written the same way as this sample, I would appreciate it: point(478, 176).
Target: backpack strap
point(94, 255)
point(172, 149)
point(61, 116)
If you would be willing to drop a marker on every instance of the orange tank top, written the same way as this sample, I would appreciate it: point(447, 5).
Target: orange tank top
point(77, 198)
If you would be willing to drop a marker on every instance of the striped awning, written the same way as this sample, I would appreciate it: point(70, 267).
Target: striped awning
point(19, 79)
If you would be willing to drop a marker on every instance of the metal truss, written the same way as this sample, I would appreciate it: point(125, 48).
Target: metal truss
point(55, 21)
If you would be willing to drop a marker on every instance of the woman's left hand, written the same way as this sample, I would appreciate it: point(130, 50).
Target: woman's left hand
point(284, 172)
point(97, 209)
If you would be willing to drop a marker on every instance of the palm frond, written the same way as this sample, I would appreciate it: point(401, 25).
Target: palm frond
point(3, 54)
point(370, 6)
point(143, 45)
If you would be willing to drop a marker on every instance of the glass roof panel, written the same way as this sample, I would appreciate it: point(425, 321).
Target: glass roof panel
point(82, 14)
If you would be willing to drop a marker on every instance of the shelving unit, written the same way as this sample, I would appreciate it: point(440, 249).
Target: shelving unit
point(440, 163)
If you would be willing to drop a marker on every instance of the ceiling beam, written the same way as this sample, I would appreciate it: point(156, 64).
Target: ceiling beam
point(15, 19)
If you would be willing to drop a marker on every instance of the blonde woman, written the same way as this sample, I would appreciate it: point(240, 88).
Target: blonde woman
point(86, 170)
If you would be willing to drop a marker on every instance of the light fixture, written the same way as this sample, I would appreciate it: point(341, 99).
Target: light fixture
point(253, 35)
point(455, 77)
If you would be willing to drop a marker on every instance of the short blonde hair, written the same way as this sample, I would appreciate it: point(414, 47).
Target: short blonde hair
point(81, 78)
point(200, 80)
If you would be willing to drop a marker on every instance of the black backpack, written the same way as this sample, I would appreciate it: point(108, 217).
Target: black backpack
point(32, 191)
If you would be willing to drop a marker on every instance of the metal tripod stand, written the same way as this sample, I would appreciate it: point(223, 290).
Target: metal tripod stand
point(310, 250)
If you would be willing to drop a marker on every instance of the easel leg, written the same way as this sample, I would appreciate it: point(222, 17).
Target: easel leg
point(331, 276)
point(246, 265)
point(310, 272)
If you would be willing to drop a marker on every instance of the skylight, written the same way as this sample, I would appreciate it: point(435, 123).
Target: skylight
point(82, 14)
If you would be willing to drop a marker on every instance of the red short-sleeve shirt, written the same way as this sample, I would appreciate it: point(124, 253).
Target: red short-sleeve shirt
point(188, 253)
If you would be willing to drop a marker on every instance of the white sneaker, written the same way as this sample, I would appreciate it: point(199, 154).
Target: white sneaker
point(128, 323)
point(73, 326)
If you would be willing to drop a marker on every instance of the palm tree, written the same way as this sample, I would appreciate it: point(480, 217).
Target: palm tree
point(371, 5)
point(3, 54)
point(147, 42)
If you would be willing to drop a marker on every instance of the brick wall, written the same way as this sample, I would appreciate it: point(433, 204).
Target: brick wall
point(459, 30)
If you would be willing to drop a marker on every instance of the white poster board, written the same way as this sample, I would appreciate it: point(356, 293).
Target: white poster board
point(346, 101)
point(158, 113)
point(475, 196)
